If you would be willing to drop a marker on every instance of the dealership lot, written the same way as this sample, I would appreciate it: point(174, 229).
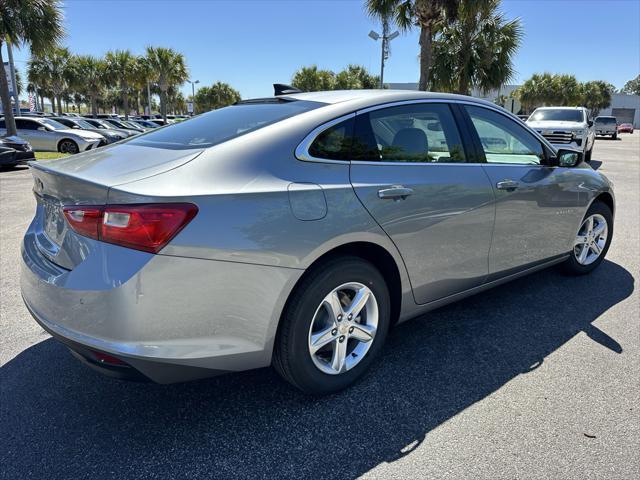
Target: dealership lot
point(535, 379)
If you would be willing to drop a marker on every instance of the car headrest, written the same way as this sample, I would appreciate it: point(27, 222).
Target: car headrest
point(411, 140)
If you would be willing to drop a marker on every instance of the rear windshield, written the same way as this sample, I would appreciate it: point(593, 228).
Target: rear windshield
point(606, 120)
point(559, 115)
point(223, 124)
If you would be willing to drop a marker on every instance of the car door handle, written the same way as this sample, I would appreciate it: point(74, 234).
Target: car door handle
point(508, 185)
point(397, 192)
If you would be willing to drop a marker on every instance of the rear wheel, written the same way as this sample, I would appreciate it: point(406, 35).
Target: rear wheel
point(592, 240)
point(333, 327)
point(68, 146)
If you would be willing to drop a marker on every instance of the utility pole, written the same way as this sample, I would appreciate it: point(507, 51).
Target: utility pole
point(12, 70)
point(386, 38)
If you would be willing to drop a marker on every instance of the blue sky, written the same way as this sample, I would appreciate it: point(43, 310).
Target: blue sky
point(254, 43)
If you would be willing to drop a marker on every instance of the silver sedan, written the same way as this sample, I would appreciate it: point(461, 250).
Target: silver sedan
point(47, 135)
point(294, 231)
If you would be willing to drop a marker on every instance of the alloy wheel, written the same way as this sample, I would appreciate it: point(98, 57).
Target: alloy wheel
point(343, 328)
point(591, 239)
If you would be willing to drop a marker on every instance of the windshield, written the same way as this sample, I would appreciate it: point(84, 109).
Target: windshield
point(223, 124)
point(83, 124)
point(558, 115)
point(54, 124)
point(606, 120)
point(115, 122)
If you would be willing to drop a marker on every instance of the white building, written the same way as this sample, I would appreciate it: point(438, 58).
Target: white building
point(626, 108)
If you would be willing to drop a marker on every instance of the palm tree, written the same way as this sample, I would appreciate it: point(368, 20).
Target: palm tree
point(59, 72)
point(121, 66)
point(475, 50)
point(312, 79)
point(167, 69)
point(429, 15)
point(37, 23)
point(37, 76)
point(140, 79)
point(356, 77)
point(89, 78)
point(217, 95)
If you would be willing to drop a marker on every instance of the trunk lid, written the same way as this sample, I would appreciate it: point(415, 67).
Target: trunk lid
point(85, 180)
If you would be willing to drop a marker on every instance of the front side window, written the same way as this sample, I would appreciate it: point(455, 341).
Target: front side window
point(418, 133)
point(503, 140)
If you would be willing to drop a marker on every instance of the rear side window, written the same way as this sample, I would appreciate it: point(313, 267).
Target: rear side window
point(223, 124)
point(334, 143)
point(422, 133)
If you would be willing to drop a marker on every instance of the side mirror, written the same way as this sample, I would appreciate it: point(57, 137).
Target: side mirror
point(76, 127)
point(568, 158)
point(590, 123)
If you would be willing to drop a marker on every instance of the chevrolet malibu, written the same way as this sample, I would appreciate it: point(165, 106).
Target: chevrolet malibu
point(294, 231)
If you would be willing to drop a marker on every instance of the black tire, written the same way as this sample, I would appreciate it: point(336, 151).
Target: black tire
point(571, 266)
point(614, 136)
point(587, 155)
point(68, 146)
point(292, 359)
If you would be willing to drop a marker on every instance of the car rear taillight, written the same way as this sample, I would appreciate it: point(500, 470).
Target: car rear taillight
point(147, 227)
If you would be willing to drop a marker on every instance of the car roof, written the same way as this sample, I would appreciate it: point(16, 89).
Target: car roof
point(375, 97)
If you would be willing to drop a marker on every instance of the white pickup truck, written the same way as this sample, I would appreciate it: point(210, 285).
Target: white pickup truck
point(565, 127)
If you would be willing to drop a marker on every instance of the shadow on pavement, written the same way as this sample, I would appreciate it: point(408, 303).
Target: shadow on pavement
point(62, 420)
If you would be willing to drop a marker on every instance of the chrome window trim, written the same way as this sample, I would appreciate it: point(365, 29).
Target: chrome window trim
point(302, 150)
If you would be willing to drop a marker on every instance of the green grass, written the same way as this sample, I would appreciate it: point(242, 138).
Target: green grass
point(49, 155)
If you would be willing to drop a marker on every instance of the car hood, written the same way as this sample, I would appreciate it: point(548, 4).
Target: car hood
point(81, 133)
point(548, 125)
point(119, 163)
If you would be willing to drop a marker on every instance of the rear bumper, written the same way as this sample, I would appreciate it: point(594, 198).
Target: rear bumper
point(171, 319)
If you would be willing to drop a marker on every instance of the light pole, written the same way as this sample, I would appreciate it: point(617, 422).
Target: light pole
point(386, 38)
point(193, 94)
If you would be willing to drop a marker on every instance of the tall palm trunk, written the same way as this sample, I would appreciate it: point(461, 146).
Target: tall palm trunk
point(59, 102)
point(163, 104)
point(125, 99)
point(10, 122)
point(425, 57)
point(94, 105)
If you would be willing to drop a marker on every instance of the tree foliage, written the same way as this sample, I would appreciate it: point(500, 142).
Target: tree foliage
point(167, 68)
point(313, 79)
point(428, 15)
point(548, 89)
point(476, 50)
point(217, 95)
point(632, 87)
point(36, 23)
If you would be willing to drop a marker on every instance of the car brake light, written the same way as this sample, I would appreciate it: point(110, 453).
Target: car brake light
point(147, 227)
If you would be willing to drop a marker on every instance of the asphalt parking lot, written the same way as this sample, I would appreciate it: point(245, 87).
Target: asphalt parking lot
point(539, 378)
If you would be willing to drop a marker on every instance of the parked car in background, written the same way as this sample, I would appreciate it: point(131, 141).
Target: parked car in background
point(24, 151)
point(160, 122)
point(625, 128)
point(296, 230)
point(8, 156)
point(606, 126)
point(122, 126)
point(523, 117)
point(47, 135)
point(101, 124)
point(102, 115)
point(80, 123)
point(565, 127)
point(145, 123)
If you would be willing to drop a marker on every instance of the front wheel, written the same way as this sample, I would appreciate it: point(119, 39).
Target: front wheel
point(334, 326)
point(592, 240)
point(587, 155)
point(614, 136)
point(68, 146)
